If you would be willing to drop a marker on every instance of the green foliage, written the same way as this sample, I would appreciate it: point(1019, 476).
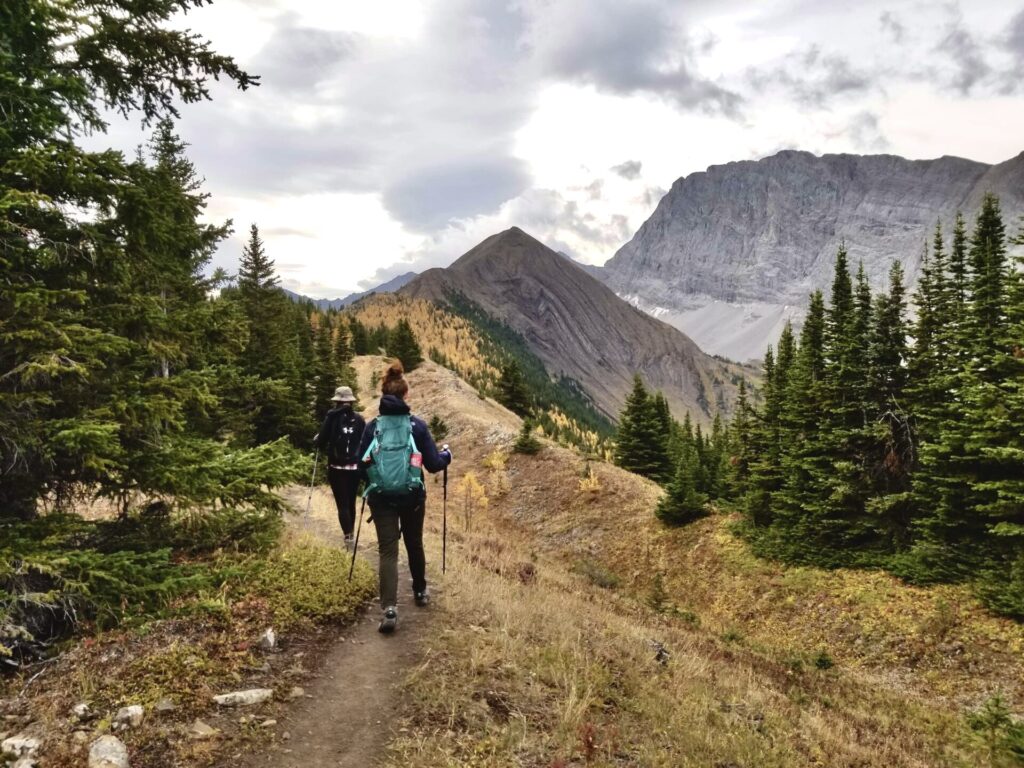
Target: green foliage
point(641, 441)
point(511, 389)
point(60, 571)
point(1003, 733)
point(438, 427)
point(527, 441)
point(403, 345)
point(310, 582)
point(872, 450)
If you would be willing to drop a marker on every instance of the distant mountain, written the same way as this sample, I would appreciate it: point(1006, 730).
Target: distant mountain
point(579, 328)
point(730, 253)
point(391, 286)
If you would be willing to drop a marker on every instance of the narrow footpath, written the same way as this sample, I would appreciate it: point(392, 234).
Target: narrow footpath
point(348, 712)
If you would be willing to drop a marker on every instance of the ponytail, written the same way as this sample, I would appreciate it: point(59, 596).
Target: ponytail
point(394, 381)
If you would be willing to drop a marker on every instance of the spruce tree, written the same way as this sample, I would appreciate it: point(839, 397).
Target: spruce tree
point(683, 502)
point(403, 345)
point(988, 278)
point(511, 389)
point(325, 380)
point(360, 337)
point(527, 441)
point(639, 444)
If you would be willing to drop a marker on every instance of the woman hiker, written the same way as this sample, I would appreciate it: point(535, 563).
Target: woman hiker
point(396, 447)
point(339, 439)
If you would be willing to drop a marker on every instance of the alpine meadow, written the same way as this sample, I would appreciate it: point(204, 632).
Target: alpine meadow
point(546, 385)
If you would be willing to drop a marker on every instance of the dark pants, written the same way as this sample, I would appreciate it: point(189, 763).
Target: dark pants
point(345, 485)
point(394, 519)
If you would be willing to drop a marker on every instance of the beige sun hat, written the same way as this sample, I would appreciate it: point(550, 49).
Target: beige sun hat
point(343, 395)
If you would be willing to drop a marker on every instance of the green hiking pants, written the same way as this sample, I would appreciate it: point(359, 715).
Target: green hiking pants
point(394, 519)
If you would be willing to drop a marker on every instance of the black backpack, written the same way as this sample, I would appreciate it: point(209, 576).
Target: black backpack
point(346, 434)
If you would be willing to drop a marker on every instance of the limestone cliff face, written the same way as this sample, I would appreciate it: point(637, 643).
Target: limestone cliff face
point(579, 327)
point(756, 237)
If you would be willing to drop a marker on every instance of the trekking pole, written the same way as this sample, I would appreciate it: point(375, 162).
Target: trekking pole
point(444, 525)
point(312, 480)
point(355, 544)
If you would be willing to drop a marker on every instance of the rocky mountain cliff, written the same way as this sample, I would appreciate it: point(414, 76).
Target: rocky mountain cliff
point(579, 328)
point(730, 253)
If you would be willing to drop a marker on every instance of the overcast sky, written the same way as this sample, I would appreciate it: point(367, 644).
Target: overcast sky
point(389, 136)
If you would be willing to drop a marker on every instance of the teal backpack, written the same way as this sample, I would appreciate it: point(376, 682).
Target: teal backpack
point(395, 463)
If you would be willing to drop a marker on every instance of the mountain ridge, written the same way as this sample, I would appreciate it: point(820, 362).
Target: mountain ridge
point(390, 286)
point(578, 327)
point(732, 252)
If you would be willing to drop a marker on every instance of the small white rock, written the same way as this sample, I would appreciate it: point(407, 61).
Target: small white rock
point(130, 717)
point(165, 705)
point(268, 640)
point(201, 730)
point(81, 711)
point(21, 745)
point(108, 752)
point(268, 723)
point(244, 698)
point(24, 762)
point(297, 692)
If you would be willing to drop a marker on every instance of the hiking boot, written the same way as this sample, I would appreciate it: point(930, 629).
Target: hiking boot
point(390, 620)
point(422, 598)
point(350, 541)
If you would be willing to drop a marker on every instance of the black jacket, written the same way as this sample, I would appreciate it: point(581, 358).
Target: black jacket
point(341, 435)
point(433, 459)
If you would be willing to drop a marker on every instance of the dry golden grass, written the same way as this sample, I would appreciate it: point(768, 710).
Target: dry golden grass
point(544, 657)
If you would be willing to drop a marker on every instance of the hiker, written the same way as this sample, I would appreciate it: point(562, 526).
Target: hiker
point(396, 447)
point(339, 439)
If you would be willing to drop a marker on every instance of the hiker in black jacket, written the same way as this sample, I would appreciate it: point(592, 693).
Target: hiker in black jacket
point(401, 515)
point(339, 439)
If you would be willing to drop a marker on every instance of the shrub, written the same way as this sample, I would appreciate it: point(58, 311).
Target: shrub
point(597, 574)
point(527, 443)
point(438, 427)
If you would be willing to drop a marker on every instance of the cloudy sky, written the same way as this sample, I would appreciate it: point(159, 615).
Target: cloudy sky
point(389, 136)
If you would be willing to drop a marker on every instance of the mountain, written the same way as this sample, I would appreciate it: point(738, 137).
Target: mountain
point(578, 327)
point(732, 252)
point(390, 286)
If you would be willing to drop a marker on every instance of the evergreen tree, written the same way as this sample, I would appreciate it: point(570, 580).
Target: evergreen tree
point(527, 441)
point(888, 347)
point(360, 337)
point(639, 443)
point(511, 389)
point(325, 379)
point(683, 502)
point(740, 444)
point(988, 278)
point(403, 345)
point(342, 357)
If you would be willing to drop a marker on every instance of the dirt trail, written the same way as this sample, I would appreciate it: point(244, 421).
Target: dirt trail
point(344, 720)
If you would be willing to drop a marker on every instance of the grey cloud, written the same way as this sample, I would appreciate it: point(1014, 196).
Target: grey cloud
point(544, 213)
point(427, 199)
point(866, 133)
point(624, 48)
point(628, 170)
point(812, 78)
point(1015, 36)
point(297, 58)
point(891, 24)
point(652, 196)
point(965, 53)
point(1013, 41)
